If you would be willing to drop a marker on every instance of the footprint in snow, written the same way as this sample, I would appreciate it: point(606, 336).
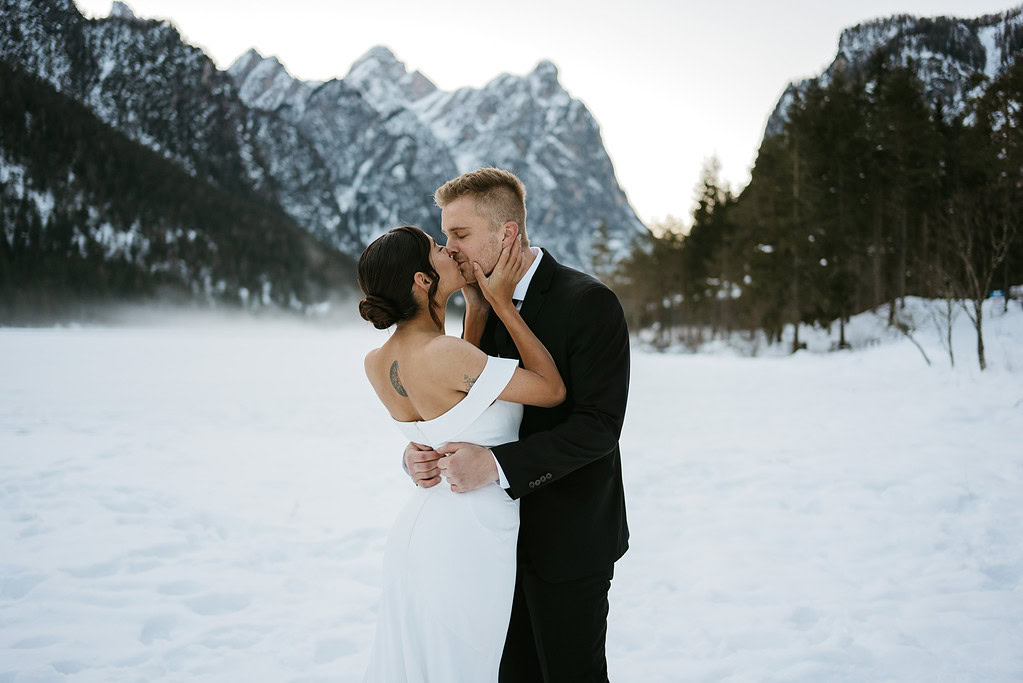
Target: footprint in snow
point(35, 641)
point(95, 571)
point(213, 604)
point(69, 666)
point(329, 650)
point(157, 628)
point(178, 587)
point(17, 587)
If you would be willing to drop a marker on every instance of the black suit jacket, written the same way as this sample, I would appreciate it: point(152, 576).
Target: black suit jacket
point(566, 466)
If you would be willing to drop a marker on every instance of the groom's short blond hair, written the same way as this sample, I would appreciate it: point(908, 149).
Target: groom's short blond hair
point(500, 196)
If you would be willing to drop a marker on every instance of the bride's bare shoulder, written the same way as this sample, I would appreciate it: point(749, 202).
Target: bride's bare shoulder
point(373, 366)
point(371, 360)
point(444, 355)
point(444, 347)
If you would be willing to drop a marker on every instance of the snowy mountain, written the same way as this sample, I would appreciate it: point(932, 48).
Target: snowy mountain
point(346, 159)
point(947, 52)
point(384, 165)
point(89, 216)
point(142, 79)
point(527, 124)
point(533, 127)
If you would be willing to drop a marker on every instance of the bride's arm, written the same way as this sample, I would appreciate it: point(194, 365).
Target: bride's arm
point(456, 364)
point(475, 320)
point(541, 384)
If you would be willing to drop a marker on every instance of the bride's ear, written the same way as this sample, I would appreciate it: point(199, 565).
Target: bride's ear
point(422, 280)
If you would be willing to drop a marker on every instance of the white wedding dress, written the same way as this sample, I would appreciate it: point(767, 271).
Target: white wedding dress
point(449, 564)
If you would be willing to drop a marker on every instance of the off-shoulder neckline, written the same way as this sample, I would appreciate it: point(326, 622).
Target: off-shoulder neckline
point(457, 403)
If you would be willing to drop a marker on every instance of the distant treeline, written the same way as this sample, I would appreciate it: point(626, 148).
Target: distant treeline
point(88, 216)
point(869, 195)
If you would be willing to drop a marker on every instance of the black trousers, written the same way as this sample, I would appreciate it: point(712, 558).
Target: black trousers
point(557, 630)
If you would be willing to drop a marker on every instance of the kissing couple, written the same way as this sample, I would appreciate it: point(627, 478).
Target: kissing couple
point(498, 568)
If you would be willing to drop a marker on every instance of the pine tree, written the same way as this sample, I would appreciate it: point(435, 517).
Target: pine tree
point(601, 256)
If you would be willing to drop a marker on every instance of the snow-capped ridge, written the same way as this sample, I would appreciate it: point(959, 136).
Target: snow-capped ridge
point(526, 123)
point(346, 159)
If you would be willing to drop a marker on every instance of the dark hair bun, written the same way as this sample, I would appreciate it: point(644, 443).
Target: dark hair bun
point(378, 311)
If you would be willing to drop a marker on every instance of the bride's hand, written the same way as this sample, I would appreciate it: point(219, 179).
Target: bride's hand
point(474, 297)
point(500, 285)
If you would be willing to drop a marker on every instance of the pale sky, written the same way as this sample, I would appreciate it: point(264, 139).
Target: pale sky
point(670, 83)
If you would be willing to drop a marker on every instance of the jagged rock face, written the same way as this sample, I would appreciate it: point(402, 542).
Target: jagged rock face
point(385, 82)
point(422, 136)
point(266, 84)
point(121, 11)
point(119, 67)
point(89, 215)
point(346, 159)
point(140, 77)
point(532, 127)
point(946, 51)
point(44, 39)
point(385, 162)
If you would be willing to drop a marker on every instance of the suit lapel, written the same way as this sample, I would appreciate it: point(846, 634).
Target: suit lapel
point(538, 287)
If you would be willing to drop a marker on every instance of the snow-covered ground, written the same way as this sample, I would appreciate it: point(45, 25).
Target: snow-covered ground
point(209, 503)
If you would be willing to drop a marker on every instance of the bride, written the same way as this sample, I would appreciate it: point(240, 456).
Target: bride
point(441, 389)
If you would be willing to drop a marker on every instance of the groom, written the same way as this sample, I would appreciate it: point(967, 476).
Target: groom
point(566, 466)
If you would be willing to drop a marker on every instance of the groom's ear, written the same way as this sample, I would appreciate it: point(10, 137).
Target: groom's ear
point(511, 233)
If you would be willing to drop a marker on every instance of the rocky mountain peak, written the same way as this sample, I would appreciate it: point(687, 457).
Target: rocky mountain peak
point(385, 82)
point(243, 65)
point(119, 10)
point(378, 62)
point(265, 82)
point(546, 70)
point(544, 80)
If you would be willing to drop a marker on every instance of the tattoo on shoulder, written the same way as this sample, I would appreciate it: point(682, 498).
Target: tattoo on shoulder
point(469, 381)
point(396, 380)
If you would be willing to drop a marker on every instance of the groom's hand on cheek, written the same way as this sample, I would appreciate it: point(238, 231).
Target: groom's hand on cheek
point(466, 466)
